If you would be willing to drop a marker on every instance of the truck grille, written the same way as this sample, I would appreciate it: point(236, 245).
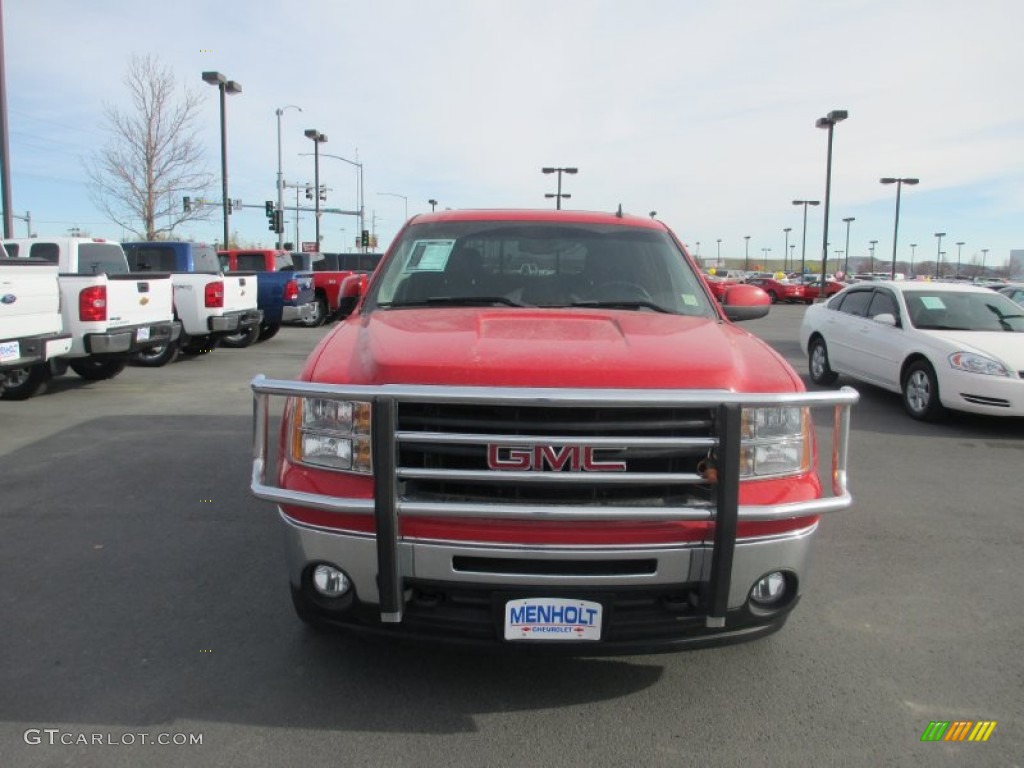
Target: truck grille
point(447, 460)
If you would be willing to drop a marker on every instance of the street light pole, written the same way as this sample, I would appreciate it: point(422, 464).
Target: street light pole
point(406, 199)
point(896, 227)
point(913, 250)
point(846, 266)
point(785, 250)
point(959, 245)
point(803, 247)
point(359, 183)
point(318, 139)
point(280, 177)
point(226, 87)
point(938, 252)
point(746, 254)
point(433, 204)
point(828, 122)
point(558, 197)
point(873, 244)
point(719, 259)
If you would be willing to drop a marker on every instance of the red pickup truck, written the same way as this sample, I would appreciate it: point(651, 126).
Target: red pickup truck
point(538, 428)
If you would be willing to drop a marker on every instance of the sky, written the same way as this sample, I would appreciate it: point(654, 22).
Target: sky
point(701, 111)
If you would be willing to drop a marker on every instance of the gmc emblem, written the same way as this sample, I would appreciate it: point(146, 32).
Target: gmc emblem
point(541, 458)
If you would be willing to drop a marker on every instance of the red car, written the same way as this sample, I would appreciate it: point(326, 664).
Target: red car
point(719, 284)
point(780, 290)
point(813, 290)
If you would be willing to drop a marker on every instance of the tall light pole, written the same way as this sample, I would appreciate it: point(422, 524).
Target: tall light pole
point(984, 256)
point(558, 197)
point(719, 259)
point(433, 204)
point(359, 182)
point(698, 249)
point(226, 87)
point(938, 252)
point(765, 252)
point(803, 247)
point(406, 199)
point(280, 177)
point(846, 265)
point(913, 250)
point(873, 244)
point(792, 256)
point(959, 245)
point(785, 250)
point(896, 227)
point(746, 254)
point(317, 139)
point(828, 122)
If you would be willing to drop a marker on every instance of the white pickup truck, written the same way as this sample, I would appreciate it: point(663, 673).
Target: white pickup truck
point(209, 304)
point(110, 313)
point(31, 330)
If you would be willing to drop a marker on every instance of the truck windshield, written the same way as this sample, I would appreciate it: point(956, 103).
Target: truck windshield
point(102, 258)
point(539, 264)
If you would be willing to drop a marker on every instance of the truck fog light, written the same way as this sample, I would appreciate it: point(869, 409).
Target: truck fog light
point(330, 581)
point(769, 590)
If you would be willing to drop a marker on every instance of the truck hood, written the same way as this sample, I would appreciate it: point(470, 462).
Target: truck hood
point(539, 347)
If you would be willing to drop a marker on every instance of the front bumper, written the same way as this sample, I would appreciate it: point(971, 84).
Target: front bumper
point(232, 322)
point(27, 351)
point(299, 313)
point(132, 338)
point(709, 580)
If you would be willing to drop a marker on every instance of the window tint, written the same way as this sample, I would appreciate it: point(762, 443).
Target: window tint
point(883, 302)
point(856, 302)
point(101, 258)
point(48, 251)
point(204, 259)
point(250, 262)
point(150, 258)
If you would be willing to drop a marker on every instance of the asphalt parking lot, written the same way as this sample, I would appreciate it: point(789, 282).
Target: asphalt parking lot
point(144, 594)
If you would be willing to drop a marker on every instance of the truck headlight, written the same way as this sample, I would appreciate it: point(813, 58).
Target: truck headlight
point(333, 434)
point(775, 441)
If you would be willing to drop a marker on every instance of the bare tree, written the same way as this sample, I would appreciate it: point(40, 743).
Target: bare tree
point(153, 160)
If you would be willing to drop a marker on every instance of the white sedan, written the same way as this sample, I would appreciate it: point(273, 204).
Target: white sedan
point(942, 345)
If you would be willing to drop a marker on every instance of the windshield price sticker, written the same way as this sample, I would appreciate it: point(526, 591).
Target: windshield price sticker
point(9, 350)
point(552, 618)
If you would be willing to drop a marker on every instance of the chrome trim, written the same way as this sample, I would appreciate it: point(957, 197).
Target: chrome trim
point(611, 477)
point(527, 440)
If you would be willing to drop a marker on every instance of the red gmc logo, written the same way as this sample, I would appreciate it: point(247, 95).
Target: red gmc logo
point(540, 458)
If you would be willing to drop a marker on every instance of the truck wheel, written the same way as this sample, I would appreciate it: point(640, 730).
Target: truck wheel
point(94, 369)
point(319, 316)
point(817, 363)
point(241, 339)
point(921, 392)
point(268, 331)
point(158, 356)
point(23, 383)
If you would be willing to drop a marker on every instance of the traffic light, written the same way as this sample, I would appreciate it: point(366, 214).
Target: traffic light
point(309, 192)
point(323, 191)
point(365, 241)
point(270, 208)
point(279, 221)
point(186, 203)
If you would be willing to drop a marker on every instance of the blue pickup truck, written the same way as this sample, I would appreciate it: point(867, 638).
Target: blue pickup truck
point(284, 296)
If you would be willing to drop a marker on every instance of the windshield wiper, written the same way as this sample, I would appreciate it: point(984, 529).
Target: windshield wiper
point(622, 304)
point(456, 301)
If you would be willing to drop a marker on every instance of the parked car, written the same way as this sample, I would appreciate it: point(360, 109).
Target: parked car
point(779, 290)
point(110, 313)
point(283, 294)
point(812, 288)
point(942, 345)
point(540, 428)
point(209, 304)
point(31, 327)
point(718, 285)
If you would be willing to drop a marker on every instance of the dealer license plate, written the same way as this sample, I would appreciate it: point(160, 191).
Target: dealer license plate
point(552, 618)
point(9, 350)
point(142, 334)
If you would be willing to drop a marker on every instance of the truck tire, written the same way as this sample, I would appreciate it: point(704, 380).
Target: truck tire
point(241, 339)
point(269, 331)
point(23, 383)
point(158, 356)
point(97, 369)
point(319, 316)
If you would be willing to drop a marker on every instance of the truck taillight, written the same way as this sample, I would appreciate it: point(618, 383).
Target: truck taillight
point(92, 304)
point(215, 294)
point(291, 290)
